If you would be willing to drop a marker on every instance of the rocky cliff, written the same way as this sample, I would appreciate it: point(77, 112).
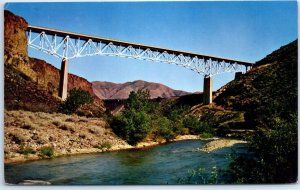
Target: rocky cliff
point(109, 90)
point(47, 76)
point(40, 73)
point(15, 40)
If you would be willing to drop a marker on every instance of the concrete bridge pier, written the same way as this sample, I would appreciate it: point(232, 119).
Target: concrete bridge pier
point(207, 90)
point(63, 81)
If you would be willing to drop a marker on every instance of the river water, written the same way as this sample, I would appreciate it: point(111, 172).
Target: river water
point(165, 164)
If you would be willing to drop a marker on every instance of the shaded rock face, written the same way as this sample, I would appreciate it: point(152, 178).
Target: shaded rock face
point(22, 93)
point(109, 90)
point(48, 76)
point(15, 39)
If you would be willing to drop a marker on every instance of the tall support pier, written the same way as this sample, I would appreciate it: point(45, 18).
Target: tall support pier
point(63, 81)
point(207, 90)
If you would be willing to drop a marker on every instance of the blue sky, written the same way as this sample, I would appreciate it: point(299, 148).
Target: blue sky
point(245, 31)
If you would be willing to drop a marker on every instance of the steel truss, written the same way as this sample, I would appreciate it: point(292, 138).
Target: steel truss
point(71, 46)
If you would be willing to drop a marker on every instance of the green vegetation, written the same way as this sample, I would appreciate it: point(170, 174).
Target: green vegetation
point(26, 150)
point(206, 135)
point(75, 99)
point(197, 127)
point(132, 126)
point(274, 157)
point(144, 118)
point(47, 151)
point(164, 129)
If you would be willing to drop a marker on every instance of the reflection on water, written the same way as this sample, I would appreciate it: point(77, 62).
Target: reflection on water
point(163, 164)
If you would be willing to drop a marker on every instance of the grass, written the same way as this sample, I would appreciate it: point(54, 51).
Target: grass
point(47, 151)
point(26, 150)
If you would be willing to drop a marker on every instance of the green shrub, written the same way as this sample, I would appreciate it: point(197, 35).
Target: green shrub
point(206, 135)
point(132, 126)
point(47, 151)
point(195, 126)
point(192, 123)
point(26, 150)
point(75, 99)
point(165, 128)
point(185, 131)
point(175, 112)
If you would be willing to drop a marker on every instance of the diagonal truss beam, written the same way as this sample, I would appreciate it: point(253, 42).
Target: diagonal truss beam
point(69, 45)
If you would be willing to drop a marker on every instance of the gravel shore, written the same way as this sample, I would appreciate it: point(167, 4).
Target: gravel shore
point(220, 143)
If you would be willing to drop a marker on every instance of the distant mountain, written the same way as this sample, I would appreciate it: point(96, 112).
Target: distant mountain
point(109, 90)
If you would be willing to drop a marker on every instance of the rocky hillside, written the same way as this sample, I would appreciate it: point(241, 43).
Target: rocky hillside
point(271, 85)
point(28, 133)
point(109, 90)
point(21, 93)
point(38, 72)
point(267, 95)
point(268, 89)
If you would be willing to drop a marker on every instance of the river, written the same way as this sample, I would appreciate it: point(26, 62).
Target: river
point(165, 164)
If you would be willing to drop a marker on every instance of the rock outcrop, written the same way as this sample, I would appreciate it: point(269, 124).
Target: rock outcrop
point(15, 39)
point(38, 72)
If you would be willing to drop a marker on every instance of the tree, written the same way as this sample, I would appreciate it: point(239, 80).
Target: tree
point(75, 99)
point(132, 126)
point(139, 101)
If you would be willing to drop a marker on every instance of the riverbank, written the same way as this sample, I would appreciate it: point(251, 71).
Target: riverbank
point(214, 144)
point(117, 147)
point(27, 134)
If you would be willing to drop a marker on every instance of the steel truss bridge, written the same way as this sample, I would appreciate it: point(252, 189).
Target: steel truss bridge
point(69, 45)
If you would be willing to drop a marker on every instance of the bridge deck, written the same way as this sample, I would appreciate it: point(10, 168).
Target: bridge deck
point(134, 45)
